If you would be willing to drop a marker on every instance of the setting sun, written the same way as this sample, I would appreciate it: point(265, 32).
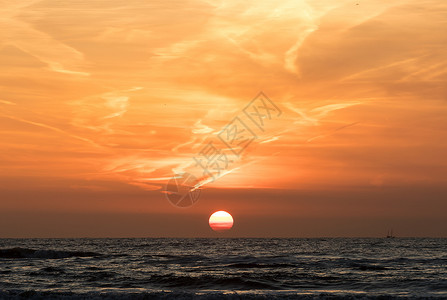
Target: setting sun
point(221, 221)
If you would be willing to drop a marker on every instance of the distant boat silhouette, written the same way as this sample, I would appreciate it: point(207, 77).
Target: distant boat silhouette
point(390, 235)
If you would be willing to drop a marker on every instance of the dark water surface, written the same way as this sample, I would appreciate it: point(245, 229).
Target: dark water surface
point(223, 268)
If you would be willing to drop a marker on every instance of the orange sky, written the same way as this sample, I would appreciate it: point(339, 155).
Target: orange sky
point(102, 102)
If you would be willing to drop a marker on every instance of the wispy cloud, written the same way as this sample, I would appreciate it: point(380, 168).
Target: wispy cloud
point(322, 111)
point(7, 102)
point(52, 128)
point(269, 140)
point(58, 56)
point(330, 133)
point(200, 128)
point(97, 112)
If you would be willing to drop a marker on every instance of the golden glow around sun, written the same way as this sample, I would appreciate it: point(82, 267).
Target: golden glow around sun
point(221, 221)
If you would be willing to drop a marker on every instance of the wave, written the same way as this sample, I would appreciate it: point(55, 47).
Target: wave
point(369, 267)
point(124, 295)
point(256, 265)
point(210, 282)
point(51, 254)
point(48, 271)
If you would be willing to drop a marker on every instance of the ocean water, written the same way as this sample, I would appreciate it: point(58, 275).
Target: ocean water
point(333, 268)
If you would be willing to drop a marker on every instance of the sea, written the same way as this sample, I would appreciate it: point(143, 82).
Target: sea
point(221, 268)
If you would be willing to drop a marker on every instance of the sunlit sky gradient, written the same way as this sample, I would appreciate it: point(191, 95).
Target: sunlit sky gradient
point(102, 101)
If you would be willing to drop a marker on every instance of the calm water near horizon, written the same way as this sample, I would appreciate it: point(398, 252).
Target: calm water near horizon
point(175, 268)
